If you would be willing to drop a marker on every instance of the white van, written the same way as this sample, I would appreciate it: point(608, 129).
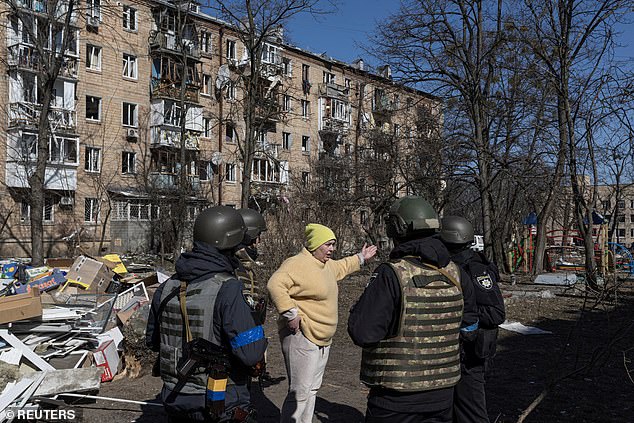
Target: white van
point(478, 243)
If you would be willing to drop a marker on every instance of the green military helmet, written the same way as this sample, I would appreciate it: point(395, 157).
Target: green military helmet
point(254, 221)
point(409, 215)
point(220, 226)
point(456, 230)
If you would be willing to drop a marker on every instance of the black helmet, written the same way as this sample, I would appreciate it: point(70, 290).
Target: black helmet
point(254, 221)
point(456, 230)
point(220, 226)
point(409, 215)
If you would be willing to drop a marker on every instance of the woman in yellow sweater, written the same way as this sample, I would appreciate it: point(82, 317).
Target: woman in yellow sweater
point(305, 292)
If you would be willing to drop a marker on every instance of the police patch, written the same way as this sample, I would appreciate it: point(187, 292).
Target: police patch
point(485, 281)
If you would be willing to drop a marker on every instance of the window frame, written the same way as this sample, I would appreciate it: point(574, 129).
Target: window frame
point(93, 213)
point(90, 160)
point(90, 48)
point(231, 172)
point(133, 113)
point(306, 144)
point(127, 60)
point(128, 163)
point(287, 141)
point(126, 19)
point(98, 119)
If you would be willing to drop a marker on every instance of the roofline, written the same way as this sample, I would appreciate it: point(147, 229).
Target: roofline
point(319, 57)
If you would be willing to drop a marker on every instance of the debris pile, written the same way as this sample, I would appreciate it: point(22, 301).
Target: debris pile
point(64, 326)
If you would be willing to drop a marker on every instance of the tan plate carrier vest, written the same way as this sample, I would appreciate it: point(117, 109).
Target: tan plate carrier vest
point(425, 354)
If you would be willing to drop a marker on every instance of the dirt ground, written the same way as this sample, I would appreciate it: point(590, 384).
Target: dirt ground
point(585, 366)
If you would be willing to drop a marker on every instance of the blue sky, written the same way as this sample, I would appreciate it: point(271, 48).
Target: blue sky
point(339, 34)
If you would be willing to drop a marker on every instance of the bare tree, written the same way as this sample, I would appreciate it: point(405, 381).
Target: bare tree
point(572, 39)
point(51, 29)
point(257, 25)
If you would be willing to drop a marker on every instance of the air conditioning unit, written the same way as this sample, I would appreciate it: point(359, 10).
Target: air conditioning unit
point(66, 201)
point(132, 134)
point(93, 21)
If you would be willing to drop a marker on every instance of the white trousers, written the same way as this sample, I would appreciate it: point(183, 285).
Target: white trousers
point(305, 365)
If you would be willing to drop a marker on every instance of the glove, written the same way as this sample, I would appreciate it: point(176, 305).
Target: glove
point(258, 369)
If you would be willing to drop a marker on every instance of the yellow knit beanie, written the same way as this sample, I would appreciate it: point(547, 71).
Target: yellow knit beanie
point(316, 235)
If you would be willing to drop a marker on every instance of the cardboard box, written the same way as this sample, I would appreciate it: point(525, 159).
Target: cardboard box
point(52, 280)
point(89, 274)
point(21, 306)
point(107, 357)
point(33, 273)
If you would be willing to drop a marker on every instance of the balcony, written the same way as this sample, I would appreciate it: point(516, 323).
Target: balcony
point(268, 109)
point(169, 182)
point(58, 177)
point(331, 124)
point(162, 137)
point(172, 90)
point(332, 90)
point(26, 58)
point(25, 114)
point(160, 41)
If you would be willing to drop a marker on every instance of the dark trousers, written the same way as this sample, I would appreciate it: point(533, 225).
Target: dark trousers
point(469, 395)
point(376, 414)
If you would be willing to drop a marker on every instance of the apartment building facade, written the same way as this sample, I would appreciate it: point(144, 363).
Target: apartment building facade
point(147, 113)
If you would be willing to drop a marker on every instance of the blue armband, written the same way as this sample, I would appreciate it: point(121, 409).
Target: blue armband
point(247, 337)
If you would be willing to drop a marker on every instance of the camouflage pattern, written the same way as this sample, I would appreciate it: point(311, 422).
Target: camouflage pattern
point(425, 354)
point(200, 302)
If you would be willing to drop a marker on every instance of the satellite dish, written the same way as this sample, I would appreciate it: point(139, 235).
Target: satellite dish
point(216, 158)
point(223, 77)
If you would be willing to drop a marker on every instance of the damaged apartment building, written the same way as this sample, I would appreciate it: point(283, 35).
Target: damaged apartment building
point(147, 116)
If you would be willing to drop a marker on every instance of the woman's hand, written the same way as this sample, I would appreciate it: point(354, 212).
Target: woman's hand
point(294, 324)
point(368, 251)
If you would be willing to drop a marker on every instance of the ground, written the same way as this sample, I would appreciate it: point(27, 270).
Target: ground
point(586, 365)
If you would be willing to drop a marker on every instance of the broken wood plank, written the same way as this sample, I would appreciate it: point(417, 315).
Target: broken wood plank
point(26, 351)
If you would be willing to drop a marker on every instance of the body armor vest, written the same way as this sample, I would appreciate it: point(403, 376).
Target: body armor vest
point(425, 354)
point(200, 302)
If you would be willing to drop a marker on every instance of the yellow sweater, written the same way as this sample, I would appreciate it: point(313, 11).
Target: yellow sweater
point(304, 282)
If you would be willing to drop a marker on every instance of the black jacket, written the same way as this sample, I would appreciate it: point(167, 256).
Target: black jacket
point(376, 316)
point(232, 315)
point(484, 277)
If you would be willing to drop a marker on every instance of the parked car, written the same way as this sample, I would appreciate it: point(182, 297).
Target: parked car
point(478, 243)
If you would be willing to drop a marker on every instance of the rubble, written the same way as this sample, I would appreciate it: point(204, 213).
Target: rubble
point(71, 325)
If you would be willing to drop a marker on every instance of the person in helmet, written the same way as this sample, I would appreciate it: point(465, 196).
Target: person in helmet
point(409, 320)
point(469, 396)
point(204, 301)
point(247, 254)
point(305, 292)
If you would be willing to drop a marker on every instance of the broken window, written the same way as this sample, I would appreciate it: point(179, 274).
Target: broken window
point(231, 50)
point(93, 57)
point(129, 18)
point(329, 78)
point(205, 42)
point(62, 150)
point(128, 163)
point(93, 108)
point(93, 159)
point(129, 66)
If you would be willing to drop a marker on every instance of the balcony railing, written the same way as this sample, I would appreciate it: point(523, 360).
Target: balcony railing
point(28, 114)
point(335, 125)
point(172, 90)
point(26, 57)
point(167, 138)
point(169, 181)
point(330, 89)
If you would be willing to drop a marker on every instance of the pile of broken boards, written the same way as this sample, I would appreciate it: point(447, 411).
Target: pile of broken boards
point(63, 325)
